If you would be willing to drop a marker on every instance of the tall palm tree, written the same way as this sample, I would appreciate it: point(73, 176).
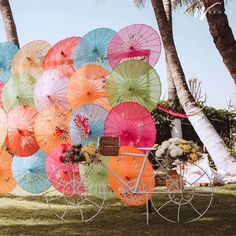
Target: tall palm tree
point(199, 121)
point(8, 21)
point(171, 86)
point(219, 28)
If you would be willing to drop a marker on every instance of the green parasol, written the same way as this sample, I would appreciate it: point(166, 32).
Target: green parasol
point(19, 90)
point(95, 180)
point(134, 81)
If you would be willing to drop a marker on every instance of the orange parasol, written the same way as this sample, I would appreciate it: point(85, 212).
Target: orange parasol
point(128, 168)
point(3, 126)
point(60, 56)
point(21, 139)
point(7, 181)
point(51, 128)
point(29, 59)
point(88, 86)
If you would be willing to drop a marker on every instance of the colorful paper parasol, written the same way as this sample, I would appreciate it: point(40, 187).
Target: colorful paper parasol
point(7, 181)
point(1, 88)
point(60, 56)
point(87, 123)
point(134, 81)
point(138, 41)
point(7, 52)
point(21, 139)
point(65, 178)
point(29, 59)
point(96, 181)
point(3, 126)
point(132, 123)
point(87, 86)
point(30, 172)
point(51, 128)
point(51, 89)
point(17, 91)
point(128, 168)
point(93, 47)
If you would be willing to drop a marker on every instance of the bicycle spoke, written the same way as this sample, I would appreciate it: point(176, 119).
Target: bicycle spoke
point(195, 209)
point(92, 202)
point(178, 215)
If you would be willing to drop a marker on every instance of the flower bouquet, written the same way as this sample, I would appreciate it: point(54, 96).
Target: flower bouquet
point(79, 153)
point(178, 149)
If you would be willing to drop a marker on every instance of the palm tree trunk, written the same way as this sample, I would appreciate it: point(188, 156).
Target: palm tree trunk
point(172, 94)
point(171, 86)
point(199, 121)
point(222, 34)
point(8, 21)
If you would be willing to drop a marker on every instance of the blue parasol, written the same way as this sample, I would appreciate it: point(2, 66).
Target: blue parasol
point(7, 52)
point(93, 47)
point(30, 172)
point(87, 123)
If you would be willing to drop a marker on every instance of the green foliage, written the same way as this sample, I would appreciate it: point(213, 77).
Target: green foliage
point(223, 121)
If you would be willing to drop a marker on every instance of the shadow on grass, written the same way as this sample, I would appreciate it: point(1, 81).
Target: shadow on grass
point(117, 219)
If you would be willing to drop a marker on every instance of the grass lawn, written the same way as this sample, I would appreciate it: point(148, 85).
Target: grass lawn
point(30, 215)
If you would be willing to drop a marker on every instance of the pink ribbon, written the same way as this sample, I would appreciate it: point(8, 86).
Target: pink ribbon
point(173, 113)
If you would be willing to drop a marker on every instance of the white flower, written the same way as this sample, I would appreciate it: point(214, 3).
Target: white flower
point(175, 152)
point(180, 151)
point(165, 144)
point(159, 152)
point(172, 146)
point(174, 140)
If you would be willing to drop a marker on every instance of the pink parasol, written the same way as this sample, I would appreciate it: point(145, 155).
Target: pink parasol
point(3, 126)
point(51, 89)
point(1, 87)
point(60, 56)
point(136, 41)
point(64, 177)
point(132, 123)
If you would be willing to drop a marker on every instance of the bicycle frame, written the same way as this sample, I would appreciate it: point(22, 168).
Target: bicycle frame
point(132, 190)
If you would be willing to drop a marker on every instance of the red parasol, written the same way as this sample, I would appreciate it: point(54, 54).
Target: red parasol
point(60, 56)
point(132, 123)
point(136, 41)
point(51, 128)
point(51, 89)
point(21, 140)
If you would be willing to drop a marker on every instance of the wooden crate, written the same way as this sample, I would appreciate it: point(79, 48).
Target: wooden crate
point(109, 146)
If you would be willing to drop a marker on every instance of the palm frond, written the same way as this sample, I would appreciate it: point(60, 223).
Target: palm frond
point(139, 3)
point(183, 3)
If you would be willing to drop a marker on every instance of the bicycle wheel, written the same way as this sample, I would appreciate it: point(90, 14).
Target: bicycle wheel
point(97, 189)
point(127, 168)
point(185, 197)
point(66, 195)
point(74, 196)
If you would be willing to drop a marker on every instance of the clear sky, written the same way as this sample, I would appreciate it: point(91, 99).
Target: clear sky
point(53, 20)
